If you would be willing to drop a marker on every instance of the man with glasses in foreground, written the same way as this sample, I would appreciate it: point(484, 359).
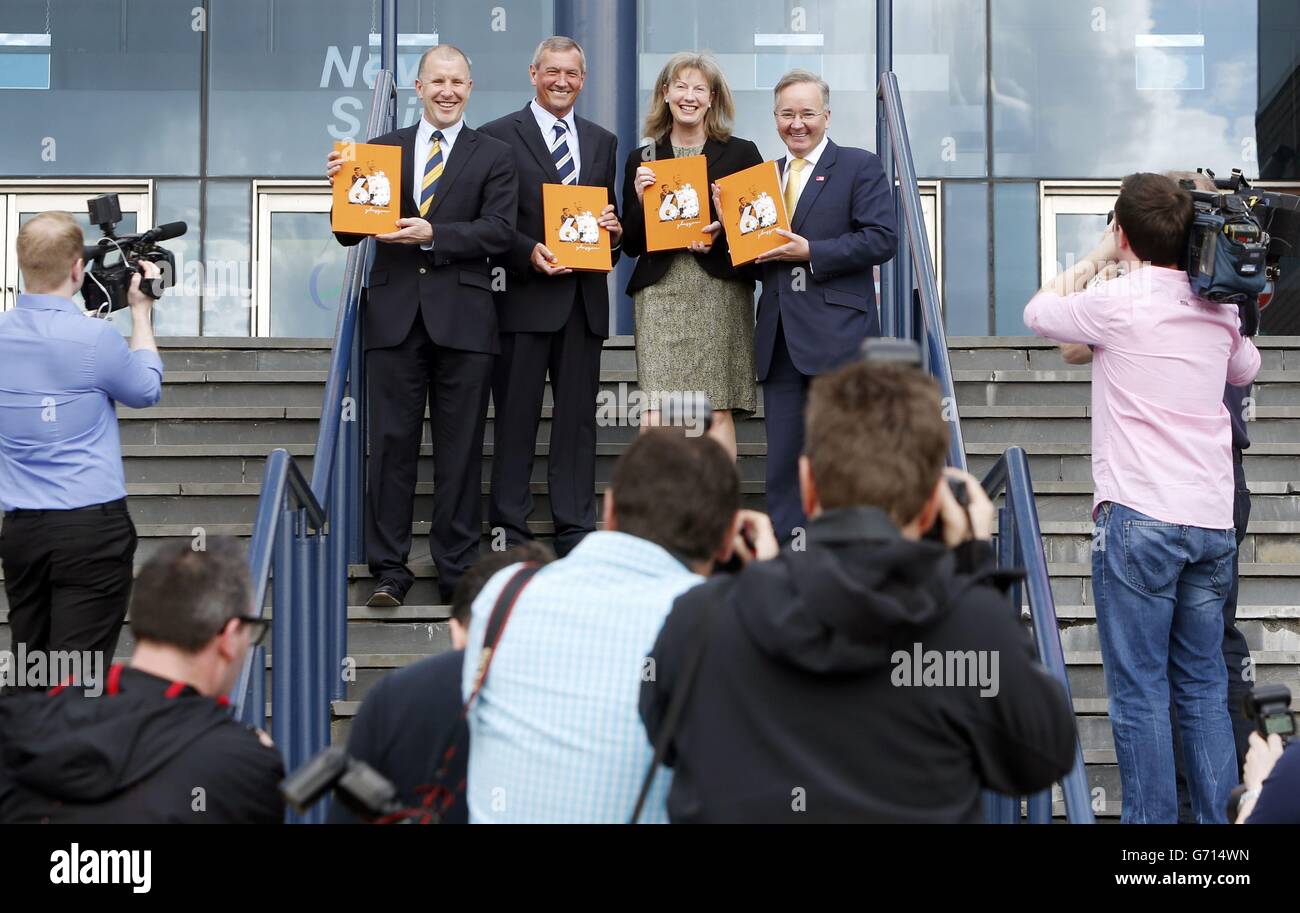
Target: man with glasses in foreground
point(159, 744)
point(819, 290)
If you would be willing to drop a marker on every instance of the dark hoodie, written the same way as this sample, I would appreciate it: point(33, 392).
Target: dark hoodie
point(145, 751)
point(802, 711)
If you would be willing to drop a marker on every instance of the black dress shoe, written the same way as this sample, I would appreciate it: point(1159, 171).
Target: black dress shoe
point(387, 596)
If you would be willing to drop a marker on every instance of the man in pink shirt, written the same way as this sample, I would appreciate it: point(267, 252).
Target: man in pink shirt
point(1162, 473)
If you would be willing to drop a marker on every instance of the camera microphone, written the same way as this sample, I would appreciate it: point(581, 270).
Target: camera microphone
point(165, 232)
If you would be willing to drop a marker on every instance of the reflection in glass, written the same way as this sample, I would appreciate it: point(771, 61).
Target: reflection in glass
point(1083, 90)
point(939, 56)
point(966, 259)
point(306, 274)
point(288, 77)
point(227, 273)
point(1015, 255)
point(757, 43)
point(177, 314)
point(1077, 233)
point(107, 63)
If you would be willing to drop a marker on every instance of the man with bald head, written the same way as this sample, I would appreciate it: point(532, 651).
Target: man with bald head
point(430, 328)
point(67, 543)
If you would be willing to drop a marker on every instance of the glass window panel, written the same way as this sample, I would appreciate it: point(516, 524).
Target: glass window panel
point(1015, 255)
point(1076, 234)
point(119, 95)
point(966, 259)
point(227, 293)
point(1101, 90)
point(306, 274)
point(177, 313)
point(291, 76)
point(939, 56)
point(756, 43)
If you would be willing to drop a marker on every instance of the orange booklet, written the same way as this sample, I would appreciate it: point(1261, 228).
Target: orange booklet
point(571, 212)
point(368, 189)
point(677, 206)
point(752, 211)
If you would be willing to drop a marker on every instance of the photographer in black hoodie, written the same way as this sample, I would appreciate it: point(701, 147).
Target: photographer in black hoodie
point(159, 745)
point(804, 706)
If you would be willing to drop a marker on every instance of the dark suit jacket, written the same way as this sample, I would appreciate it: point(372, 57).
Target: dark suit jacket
point(473, 218)
point(404, 725)
point(724, 158)
point(531, 302)
point(846, 211)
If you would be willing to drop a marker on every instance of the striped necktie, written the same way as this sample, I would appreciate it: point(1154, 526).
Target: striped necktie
point(562, 155)
point(432, 172)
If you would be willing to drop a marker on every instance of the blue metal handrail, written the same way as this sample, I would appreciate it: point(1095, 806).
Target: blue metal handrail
point(898, 311)
point(910, 309)
point(307, 533)
point(1020, 544)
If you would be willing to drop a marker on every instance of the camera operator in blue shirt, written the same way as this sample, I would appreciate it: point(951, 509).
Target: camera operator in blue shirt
point(67, 543)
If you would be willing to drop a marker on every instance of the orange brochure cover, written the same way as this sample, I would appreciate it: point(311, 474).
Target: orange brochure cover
point(368, 189)
point(572, 233)
point(752, 211)
point(677, 205)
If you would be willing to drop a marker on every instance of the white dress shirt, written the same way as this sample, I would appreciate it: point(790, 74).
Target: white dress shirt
point(811, 158)
point(423, 143)
point(546, 122)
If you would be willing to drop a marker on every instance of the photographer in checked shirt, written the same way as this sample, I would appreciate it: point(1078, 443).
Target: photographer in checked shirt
point(68, 541)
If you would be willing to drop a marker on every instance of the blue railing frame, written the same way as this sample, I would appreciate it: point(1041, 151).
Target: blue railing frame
point(1020, 544)
point(910, 309)
point(307, 533)
point(913, 266)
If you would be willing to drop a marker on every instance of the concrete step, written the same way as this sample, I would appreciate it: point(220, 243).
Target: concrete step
point(992, 387)
point(301, 388)
point(1260, 583)
point(243, 353)
point(202, 503)
point(1030, 353)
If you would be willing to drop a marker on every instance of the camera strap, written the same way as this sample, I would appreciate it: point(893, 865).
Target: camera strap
point(676, 705)
point(439, 796)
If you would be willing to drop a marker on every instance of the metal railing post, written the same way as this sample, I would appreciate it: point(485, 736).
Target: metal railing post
point(885, 63)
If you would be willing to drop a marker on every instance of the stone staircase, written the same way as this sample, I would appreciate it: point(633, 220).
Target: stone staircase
point(196, 461)
point(1018, 390)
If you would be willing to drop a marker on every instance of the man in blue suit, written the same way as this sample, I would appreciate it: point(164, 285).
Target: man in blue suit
point(819, 293)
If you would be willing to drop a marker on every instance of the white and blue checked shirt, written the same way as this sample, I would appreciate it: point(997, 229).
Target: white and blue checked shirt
point(555, 735)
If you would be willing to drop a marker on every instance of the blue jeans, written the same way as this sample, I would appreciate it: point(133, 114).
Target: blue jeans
point(1159, 589)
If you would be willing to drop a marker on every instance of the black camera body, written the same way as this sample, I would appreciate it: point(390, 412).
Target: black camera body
point(112, 262)
point(1237, 239)
point(356, 784)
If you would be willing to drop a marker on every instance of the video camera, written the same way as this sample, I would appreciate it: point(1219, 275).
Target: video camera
point(111, 263)
point(1238, 237)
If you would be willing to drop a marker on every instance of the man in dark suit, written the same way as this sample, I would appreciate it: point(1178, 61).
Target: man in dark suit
point(819, 296)
point(431, 328)
point(551, 317)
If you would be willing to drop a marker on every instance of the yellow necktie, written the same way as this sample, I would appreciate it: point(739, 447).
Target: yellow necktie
point(793, 184)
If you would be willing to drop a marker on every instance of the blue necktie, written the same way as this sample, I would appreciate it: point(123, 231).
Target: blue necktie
point(562, 155)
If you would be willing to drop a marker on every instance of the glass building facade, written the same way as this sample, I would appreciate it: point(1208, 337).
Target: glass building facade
point(1023, 117)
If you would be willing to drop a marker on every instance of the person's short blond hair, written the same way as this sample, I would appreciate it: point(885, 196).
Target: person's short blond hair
point(48, 247)
point(722, 108)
